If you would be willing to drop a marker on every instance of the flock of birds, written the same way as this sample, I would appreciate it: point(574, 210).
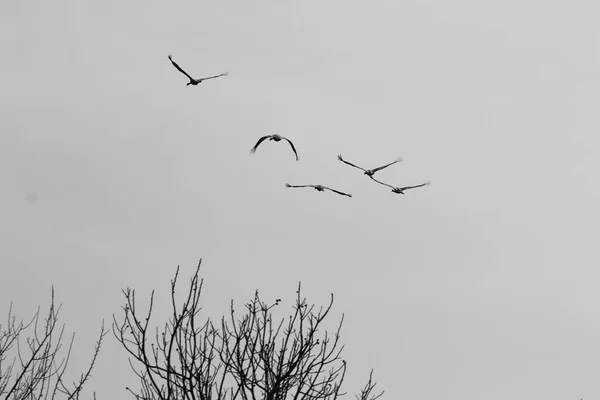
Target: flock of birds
point(278, 138)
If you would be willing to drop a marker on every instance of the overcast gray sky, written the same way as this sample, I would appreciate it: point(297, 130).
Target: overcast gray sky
point(482, 285)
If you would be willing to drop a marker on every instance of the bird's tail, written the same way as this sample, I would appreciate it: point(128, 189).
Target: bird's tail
point(225, 73)
point(288, 185)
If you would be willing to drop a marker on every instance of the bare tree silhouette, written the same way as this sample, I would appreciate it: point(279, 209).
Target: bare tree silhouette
point(37, 371)
point(246, 357)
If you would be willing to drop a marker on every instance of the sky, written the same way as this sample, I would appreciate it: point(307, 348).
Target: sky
point(481, 285)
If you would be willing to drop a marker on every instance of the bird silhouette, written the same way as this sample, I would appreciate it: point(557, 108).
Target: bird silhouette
point(319, 188)
point(194, 81)
point(370, 172)
point(275, 138)
point(400, 190)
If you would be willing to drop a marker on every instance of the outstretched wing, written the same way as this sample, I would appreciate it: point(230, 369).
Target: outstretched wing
point(253, 150)
point(381, 183)
point(350, 164)
point(300, 186)
point(293, 148)
point(179, 68)
point(416, 186)
point(214, 76)
point(387, 165)
point(337, 191)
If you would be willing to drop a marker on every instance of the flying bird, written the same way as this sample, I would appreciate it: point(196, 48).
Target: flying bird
point(275, 138)
point(192, 80)
point(319, 188)
point(370, 172)
point(400, 190)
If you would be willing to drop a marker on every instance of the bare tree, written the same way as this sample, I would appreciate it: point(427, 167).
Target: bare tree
point(249, 357)
point(37, 370)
